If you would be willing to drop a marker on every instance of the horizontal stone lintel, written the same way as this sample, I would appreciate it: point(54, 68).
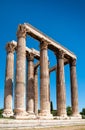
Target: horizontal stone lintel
point(54, 67)
point(28, 50)
point(53, 45)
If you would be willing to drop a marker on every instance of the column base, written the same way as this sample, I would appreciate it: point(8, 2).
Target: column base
point(7, 113)
point(45, 116)
point(76, 116)
point(31, 115)
point(20, 114)
point(24, 115)
point(61, 117)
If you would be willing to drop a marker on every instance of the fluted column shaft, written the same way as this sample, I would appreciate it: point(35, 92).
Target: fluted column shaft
point(9, 81)
point(61, 95)
point(49, 83)
point(36, 91)
point(44, 83)
point(30, 85)
point(20, 72)
point(74, 91)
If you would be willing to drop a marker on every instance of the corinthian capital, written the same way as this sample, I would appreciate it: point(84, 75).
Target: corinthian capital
point(10, 48)
point(43, 44)
point(21, 31)
point(30, 56)
point(59, 54)
point(73, 62)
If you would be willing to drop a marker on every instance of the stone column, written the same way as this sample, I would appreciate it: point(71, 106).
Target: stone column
point(74, 92)
point(8, 93)
point(49, 82)
point(36, 91)
point(61, 95)
point(30, 85)
point(44, 82)
point(20, 73)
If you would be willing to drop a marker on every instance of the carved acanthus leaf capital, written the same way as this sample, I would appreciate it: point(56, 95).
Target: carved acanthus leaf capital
point(59, 54)
point(10, 48)
point(73, 62)
point(30, 57)
point(43, 44)
point(22, 31)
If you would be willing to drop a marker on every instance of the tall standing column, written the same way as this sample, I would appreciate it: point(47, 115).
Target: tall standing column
point(9, 81)
point(36, 91)
point(44, 82)
point(20, 73)
point(61, 95)
point(30, 85)
point(74, 92)
point(49, 84)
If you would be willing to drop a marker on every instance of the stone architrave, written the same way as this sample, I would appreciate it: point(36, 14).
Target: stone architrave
point(74, 91)
point(61, 95)
point(44, 82)
point(20, 73)
point(9, 81)
point(30, 85)
point(36, 91)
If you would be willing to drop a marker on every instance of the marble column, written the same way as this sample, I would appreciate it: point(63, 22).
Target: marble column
point(36, 91)
point(30, 85)
point(74, 91)
point(20, 73)
point(44, 82)
point(61, 95)
point(8, 93)
point(49, 84)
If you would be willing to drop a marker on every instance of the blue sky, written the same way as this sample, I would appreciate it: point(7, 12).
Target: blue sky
point(63, 20)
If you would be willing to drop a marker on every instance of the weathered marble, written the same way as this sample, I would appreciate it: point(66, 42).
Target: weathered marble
point(36, 91)
point(30, 85)
point(61, 95)
point(9, 81)
point(64, 56)
point(44, 82)
point(20, 73)
point(74, 90)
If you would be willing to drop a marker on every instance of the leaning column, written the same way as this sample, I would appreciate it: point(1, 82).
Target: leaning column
point(74, 91)
point(44, 82)
point(61, 95)
point(9, 81)
point(20, 73)
point(30, 86)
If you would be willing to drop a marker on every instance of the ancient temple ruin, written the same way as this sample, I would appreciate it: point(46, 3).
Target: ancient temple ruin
point(63, 57)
